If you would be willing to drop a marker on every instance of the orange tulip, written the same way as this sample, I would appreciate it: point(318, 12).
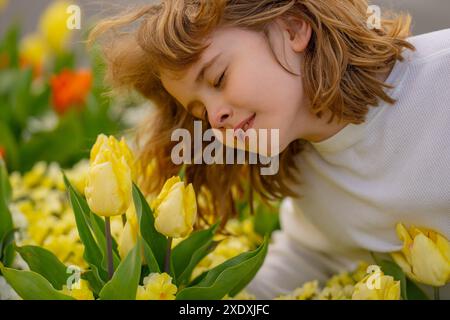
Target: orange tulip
point(2, 152)
point(69, 89)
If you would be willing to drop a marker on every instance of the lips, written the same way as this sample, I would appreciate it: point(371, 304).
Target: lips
point(246, 124)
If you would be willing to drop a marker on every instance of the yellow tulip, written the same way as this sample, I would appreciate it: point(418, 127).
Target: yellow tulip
point(33, 50)
point(53, 25)
point(128, 238)
point(81, 293)
point(119, 148)
point(425, 256)
point(157, 287)
point(377, 286)
point(175, 209)
point(3, 4)
point(109, 186)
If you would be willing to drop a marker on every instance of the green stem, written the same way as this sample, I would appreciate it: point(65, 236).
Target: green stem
point(109, 247)
point(436, 294)
point(168, 252)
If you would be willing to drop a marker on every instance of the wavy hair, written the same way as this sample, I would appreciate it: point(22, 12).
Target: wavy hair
point(341, 66)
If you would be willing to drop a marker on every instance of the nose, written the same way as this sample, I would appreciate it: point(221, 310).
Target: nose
point(221, 118)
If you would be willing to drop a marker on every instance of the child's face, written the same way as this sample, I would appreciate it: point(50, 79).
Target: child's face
point(245, 81)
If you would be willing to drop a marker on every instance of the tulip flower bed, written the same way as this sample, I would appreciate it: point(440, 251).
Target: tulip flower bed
point(50, 108)
point(53, 246)
point(89, 232)
point(50, 228)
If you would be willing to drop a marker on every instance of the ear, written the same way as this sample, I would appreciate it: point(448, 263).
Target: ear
point(299, 33)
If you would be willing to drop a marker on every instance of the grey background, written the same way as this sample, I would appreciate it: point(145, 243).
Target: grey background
point(428, 15)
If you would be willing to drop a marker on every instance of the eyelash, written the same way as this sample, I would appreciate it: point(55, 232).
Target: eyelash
point(219, 83)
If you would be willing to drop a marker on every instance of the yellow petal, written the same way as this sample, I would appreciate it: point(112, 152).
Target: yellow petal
point(127, 240)
point(103, 192)
point(444, 246)
point(429, 265)
point(165, 191)
point(99, 143)
point(392, 290)
point(169, 214)
point(190, 205)
point(399, 259)
point(53, 25)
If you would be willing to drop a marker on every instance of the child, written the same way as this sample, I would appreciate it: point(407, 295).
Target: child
point(363, 117)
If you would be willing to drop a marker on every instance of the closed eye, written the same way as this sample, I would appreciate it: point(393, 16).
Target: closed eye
point(218, 84)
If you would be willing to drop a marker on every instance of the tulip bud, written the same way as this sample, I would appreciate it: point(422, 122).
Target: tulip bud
point(128, 238)
point(109, 185)
point(175, 209)
point(425, 256)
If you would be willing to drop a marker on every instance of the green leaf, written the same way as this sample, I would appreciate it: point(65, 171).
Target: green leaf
point(265, 221)
point(10, 44)
point(8, 239)
point(30, 285)
point(183, 254)
point(152, 264)
point(6, 223)
point(65, 60)
point(9, 143)
point(414, 292)
point(229, 277)
point(92, 253)
point(390, 268)
point(156, 241)
point(45, 263)
point(196, 257)
point(8, 254)
point(198, 279)
point(125, 281)
point(95, 281)
point(21, 97)
point(98, 225)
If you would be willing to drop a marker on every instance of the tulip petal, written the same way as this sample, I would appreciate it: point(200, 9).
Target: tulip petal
point(102, 192)
point(169, 219)
point(190, 205)
point(429, 264)
point(444, 246)
point(165, 190)
point(404, 236)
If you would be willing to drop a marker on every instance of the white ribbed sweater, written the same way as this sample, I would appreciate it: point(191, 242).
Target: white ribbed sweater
point(358, 184)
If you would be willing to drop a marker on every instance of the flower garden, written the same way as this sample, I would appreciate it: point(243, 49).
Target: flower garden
point(74, 223)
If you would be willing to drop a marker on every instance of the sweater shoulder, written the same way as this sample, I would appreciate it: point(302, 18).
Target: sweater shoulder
point(430, 46)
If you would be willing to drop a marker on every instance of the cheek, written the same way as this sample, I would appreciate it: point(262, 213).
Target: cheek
point(251, 81)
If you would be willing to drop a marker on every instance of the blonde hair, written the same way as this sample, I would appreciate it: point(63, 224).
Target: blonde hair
point(341, 66)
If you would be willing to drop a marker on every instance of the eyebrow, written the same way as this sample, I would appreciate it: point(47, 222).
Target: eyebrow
point(201, 75)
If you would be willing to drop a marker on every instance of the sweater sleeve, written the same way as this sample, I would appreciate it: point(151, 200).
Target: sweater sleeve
point(292, 259)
